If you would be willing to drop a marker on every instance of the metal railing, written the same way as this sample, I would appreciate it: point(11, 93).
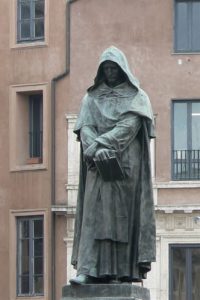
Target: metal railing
point(35, 144)
point(186, 164)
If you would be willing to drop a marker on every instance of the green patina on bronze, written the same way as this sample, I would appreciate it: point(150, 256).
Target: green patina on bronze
point(115, 223)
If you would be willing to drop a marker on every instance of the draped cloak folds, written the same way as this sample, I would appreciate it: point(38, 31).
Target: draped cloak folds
point(115, 223)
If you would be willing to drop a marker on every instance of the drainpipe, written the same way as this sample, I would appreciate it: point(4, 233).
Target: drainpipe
point(53, 135)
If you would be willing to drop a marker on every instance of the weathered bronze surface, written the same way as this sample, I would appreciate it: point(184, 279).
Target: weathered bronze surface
point(115, 225)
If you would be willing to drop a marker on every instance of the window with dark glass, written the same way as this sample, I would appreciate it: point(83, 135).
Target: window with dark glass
point(35, 125)
point(30, 20)
point(30, 256)
point(186, 140)
point(187, 25)
point(184, 272)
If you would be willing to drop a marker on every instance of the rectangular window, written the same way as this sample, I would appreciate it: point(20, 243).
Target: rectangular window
point(184, 272)
point(186, 140)
point(28, 127)
point(30, 20)
point(30, 256)
point(187, 25)
point(35, 125)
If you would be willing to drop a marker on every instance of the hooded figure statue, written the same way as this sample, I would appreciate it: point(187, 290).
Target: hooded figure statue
point(114, 236)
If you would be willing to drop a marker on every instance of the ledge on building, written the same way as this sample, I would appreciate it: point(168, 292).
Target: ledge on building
point(63, 209)
point(176, 184)
point(169, 209)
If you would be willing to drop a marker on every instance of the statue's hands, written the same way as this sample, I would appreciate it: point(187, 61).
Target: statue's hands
point(102, 154)
point(89, 153)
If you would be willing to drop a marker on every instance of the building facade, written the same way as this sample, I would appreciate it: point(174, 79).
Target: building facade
point(49, 56)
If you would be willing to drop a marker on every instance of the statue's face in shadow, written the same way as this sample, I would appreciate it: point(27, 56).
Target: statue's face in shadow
point(112, 73)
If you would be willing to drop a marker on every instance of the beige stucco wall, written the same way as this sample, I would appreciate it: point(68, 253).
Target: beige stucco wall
point(178, 197)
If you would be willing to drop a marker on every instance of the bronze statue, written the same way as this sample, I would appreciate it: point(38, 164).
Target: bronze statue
point(114, 237)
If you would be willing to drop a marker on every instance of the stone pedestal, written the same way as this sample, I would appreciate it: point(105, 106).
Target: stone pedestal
point(105, 292)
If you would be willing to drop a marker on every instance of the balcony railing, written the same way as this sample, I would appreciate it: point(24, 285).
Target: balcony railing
point(186, 164)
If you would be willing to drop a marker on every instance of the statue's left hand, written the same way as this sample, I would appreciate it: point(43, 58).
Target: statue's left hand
point(102, 154)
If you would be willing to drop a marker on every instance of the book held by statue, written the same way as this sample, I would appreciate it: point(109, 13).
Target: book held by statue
point(109, 169)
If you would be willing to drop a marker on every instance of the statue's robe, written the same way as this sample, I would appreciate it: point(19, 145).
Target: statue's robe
point(115, 222)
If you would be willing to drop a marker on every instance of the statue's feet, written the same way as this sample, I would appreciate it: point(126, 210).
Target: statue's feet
point(81, 279)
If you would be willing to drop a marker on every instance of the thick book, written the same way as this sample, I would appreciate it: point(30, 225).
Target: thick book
point(109, 169)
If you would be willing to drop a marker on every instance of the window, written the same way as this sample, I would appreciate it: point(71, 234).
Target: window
point(184, 272)
point(30, 256)
point(186, 140)
point(187, 25)
point(28, 127)
point(30, 114)
point(30, 20)
point(35, 126)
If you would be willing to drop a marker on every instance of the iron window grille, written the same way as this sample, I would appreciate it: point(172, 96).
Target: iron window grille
point(186, 164)
point(35, 125)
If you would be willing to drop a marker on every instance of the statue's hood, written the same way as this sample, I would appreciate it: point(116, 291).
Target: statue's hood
point(141, 104)
point(115, 55)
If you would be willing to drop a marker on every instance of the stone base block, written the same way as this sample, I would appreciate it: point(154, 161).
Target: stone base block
point(105, 292)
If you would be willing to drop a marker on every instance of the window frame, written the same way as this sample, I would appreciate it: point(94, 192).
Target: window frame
point(36, 125)
point(13, 215)
point(31, 239)
point(189, 139)
point(18, 161)
point(32, 21)
point(14, 28)
point(189, 50)
point(188, 248)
